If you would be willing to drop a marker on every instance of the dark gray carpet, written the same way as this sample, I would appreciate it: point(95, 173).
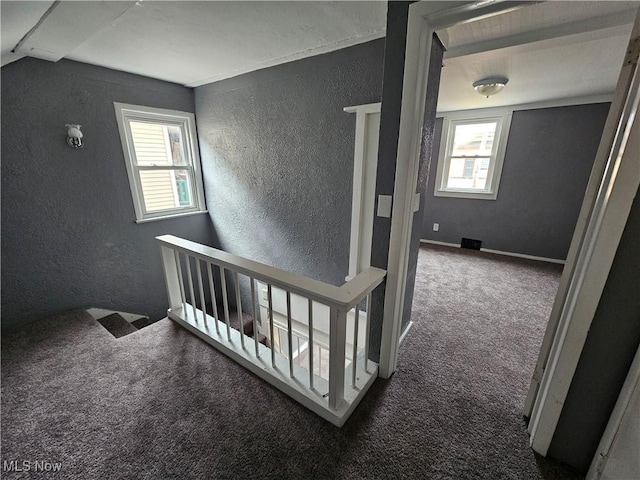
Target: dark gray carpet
point(160, 404)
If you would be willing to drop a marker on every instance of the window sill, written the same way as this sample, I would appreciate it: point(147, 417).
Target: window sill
point(173, 215)
point(466, 194)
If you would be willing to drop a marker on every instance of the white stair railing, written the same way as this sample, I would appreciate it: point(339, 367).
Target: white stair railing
point(328, 311)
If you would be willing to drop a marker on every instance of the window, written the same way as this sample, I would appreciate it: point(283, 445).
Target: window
point(163, 163)
point(471, 154)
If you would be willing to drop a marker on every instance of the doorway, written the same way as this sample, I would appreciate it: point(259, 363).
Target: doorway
point(425, 18)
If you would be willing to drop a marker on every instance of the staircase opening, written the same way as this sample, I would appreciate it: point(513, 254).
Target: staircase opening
point(120, 324)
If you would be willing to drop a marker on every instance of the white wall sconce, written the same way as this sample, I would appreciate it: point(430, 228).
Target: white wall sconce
point(490, 86)
point(74, 136)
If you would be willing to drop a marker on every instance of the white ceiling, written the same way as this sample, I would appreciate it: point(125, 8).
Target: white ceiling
point(193, 43)
point(549, 51)
point(17, 19)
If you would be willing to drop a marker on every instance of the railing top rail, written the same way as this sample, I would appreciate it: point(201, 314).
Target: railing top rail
point(346, 296)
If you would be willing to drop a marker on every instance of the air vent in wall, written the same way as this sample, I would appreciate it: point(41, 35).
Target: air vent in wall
point(471, 243)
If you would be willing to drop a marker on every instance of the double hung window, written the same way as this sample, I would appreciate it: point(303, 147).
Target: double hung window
point(471, 155)
point(163, 163)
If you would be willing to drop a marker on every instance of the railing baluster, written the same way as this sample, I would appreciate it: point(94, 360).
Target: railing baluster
point(337, 337)
point(289, 332)
point(366, 334)
point(310, 347)
point(214, 302)
point(180, 280)
point(239, 309)
point(273, 343)
point(255, 322)
point(225, 301)
point(354, 354)
point(201, 291)
point(192, 295)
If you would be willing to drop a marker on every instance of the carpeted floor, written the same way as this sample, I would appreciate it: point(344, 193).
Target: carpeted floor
point(160, 404)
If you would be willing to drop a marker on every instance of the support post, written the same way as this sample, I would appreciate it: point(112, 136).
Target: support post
point(171, 277)
point(337, 337)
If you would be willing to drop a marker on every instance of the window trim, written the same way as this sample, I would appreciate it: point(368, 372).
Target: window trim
point(494, 174)
point(186, 120)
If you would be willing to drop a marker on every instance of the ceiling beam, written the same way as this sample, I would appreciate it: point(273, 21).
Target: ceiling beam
point(66, 25)
point(566, 34)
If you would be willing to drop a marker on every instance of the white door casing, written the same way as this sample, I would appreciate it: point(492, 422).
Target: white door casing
point(618, 188)
point(577, 242)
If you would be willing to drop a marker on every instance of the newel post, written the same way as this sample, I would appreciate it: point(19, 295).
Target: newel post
point(337, 337)
point(171, 279)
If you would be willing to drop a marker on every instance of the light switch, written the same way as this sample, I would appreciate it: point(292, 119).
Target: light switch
point(416, 202)
point(384, 206)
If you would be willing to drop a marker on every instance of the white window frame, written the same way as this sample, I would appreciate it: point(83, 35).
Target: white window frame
point(186, 121)
point(449, 121)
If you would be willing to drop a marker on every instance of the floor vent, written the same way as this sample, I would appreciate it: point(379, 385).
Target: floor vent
point(471, 243)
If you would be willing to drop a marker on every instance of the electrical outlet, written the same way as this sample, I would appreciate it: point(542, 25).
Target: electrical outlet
point(436, 227)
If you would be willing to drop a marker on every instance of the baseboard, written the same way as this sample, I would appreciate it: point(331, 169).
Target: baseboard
point(405, 332)
point(522, 255)
point(444, 244)
point(499, 252)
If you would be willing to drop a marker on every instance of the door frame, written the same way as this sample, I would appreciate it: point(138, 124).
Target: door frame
point(424, 19)
point(603, 216)
point(621, 416)
point(617, 188)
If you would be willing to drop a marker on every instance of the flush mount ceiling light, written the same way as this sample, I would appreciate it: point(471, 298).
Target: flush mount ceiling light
point(490, 86)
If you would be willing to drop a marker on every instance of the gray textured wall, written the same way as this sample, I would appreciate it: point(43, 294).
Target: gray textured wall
point(611, 344)
point(547, 165)
point(68, 233)
point(394, 55)
point(277, 155)
point(426, 149)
